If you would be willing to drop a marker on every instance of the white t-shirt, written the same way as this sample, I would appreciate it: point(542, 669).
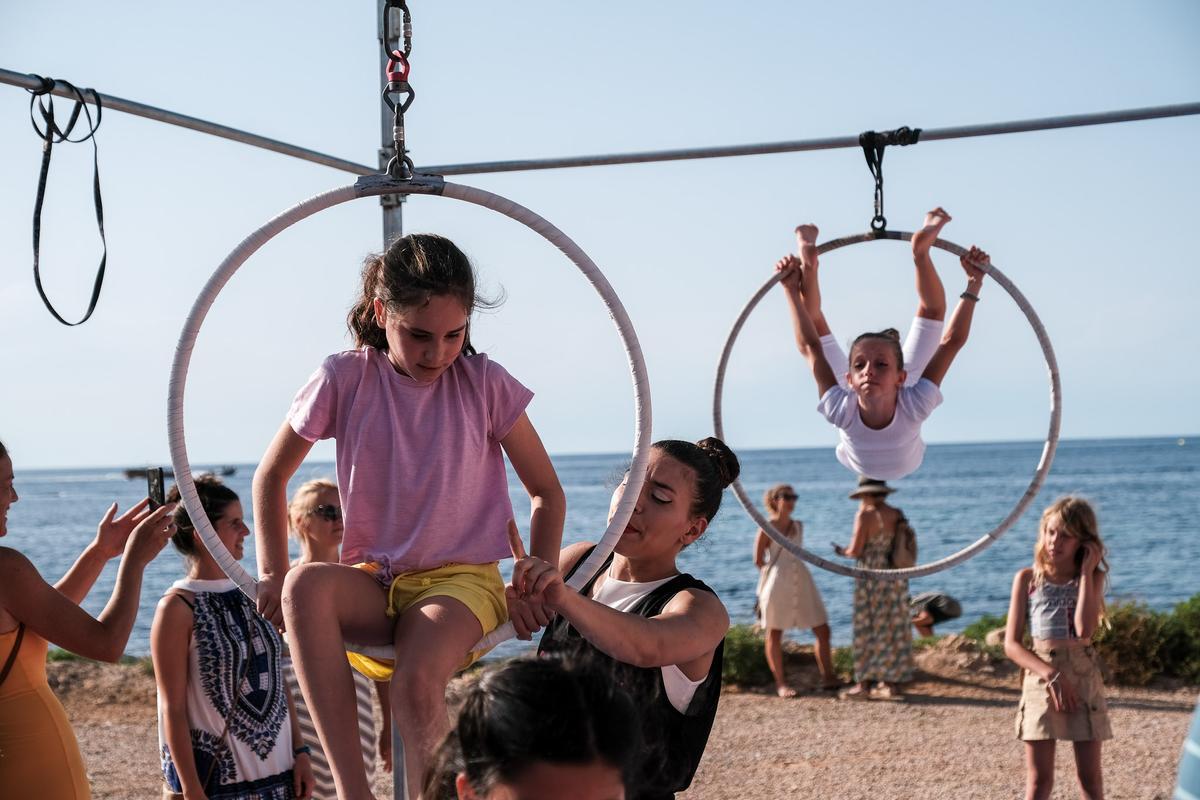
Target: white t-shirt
point(624, 595)
point(891, 452)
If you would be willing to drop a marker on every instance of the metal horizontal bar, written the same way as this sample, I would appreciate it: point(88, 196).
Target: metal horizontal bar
point(642, 157)
point(195, 124)
point(832, 143)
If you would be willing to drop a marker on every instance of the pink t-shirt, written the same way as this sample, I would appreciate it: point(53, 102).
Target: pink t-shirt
point(419, 466)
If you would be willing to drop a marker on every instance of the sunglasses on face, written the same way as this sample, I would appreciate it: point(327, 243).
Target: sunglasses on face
point(328, 512)
point(788, 496)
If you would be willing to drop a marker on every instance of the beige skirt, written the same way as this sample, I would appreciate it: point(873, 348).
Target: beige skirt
point(1038, 721)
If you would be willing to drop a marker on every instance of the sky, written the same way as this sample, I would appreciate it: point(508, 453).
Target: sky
point(1094, 225)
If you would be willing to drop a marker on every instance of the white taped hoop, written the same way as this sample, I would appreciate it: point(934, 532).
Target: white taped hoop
point(372, 186)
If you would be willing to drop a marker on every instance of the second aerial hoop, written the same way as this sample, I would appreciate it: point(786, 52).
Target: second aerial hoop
point(1031, 491)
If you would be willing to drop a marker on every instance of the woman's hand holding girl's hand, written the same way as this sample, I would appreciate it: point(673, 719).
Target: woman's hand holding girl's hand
point(527, 612)
point(150, 535)
point(113, 532)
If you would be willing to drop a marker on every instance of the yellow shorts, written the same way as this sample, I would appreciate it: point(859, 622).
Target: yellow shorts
point(476, 586)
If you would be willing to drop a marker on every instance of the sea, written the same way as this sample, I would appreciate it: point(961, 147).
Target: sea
point(1145, 490)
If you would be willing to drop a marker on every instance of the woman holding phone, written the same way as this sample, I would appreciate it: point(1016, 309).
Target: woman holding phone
point(37, 744)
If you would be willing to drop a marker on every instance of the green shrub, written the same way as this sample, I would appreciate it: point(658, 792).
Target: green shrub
point(58, 654)
point(843, 662)
point(980, 628)
point(925, 643)
point(1181, 646)
point(745, 657)
point(1132, 643)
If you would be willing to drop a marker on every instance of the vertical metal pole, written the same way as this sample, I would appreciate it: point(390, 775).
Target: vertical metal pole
point(393, 228)
point(392, 204)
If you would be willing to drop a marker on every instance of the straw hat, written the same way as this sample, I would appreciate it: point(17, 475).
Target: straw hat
point(870, 486)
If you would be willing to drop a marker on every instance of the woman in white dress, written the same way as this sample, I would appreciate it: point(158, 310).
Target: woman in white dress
point(787, 596)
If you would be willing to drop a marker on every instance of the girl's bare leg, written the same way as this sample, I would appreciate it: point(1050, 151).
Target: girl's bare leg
point(1039, 769)
point(323, 606)
point(810, 285)
point(433, 638)
point(824, 656)
point(774, 648)
point(931, 295)
point(1087, 768)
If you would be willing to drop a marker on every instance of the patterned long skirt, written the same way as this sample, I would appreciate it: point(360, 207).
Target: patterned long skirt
point(882, 630)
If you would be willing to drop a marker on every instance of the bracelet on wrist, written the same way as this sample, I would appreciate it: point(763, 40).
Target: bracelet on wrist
point(302, 750)
point(969, 295)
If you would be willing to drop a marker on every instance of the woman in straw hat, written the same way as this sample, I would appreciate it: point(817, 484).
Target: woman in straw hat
point(882, 637)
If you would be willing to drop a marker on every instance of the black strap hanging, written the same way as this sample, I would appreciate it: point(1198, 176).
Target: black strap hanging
point(50, 133)
point(873, 144)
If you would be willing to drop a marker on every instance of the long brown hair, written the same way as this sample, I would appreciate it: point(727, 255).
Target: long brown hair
point(412, 270)
point(1079, 518)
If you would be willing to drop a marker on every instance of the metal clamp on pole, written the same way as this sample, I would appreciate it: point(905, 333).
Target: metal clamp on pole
point(873, 144)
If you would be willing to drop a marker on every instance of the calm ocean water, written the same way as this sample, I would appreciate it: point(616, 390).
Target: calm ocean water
point(1146, 492)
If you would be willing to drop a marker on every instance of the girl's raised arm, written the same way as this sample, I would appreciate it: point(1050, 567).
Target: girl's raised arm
point(1091, 592)
point(547, 501)
point(279, 464)
point(52, 616)
point(959, 327)
point(808, 340)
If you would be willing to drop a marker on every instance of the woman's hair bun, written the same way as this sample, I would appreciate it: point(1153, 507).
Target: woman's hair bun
point(723, 459)
point(890, 333)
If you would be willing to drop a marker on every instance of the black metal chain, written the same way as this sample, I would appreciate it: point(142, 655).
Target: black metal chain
point(51, 134)
point(398, 94)
point(873, 144)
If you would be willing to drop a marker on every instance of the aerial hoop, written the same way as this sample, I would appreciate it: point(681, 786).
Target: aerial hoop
point(371, 186)
point(1039, 475)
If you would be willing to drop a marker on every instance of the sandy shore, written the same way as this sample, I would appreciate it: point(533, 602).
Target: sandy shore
point(953, 738)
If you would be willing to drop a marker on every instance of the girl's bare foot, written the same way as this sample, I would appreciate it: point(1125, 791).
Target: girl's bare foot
point(806, 239)
point(923, 239)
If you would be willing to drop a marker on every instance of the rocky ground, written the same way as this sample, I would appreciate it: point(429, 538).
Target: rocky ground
point(952, 738)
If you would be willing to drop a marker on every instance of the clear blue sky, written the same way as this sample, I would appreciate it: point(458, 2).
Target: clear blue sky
point(1095, 225)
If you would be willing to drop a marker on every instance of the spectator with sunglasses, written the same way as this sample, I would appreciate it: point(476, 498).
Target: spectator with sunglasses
point(787, 596)
point(315, 520)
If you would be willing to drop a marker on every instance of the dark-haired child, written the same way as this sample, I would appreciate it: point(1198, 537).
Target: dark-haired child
point(226, 727)
point(539, 728)
point(422, 424)
point(889, 389)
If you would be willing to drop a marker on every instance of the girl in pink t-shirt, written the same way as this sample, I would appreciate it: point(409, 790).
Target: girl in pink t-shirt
point(422, 423)
point(880, 402)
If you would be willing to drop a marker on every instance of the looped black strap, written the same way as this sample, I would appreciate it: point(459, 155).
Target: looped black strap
point(873, 144)
point(51, 134)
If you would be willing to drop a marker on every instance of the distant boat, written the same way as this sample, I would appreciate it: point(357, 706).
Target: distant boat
point(134, 473)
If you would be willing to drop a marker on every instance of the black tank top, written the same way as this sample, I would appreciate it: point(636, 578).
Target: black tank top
point(672, 742)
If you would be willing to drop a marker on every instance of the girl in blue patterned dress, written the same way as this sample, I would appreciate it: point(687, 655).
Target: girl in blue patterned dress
point(225, 724)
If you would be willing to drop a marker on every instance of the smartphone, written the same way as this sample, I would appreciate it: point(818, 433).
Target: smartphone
point(154, 487)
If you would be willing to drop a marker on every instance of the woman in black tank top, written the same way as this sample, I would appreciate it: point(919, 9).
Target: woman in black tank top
point(665, 646)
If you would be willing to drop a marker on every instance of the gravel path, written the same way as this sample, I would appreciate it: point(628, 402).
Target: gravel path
point(953, 738)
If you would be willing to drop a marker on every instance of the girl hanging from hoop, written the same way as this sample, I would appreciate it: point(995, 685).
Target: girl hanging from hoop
point(888, 390)
point(422, 423)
